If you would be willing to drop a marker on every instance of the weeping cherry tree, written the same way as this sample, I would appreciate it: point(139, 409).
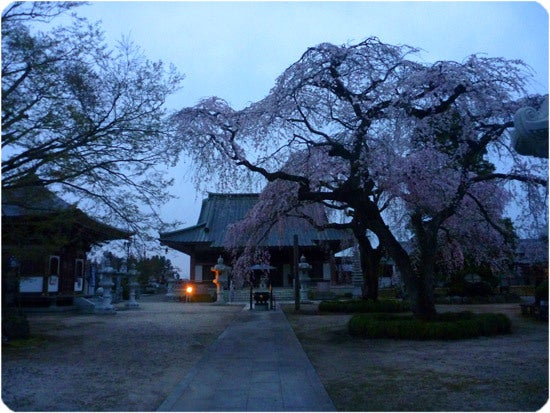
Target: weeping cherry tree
point(402, 148)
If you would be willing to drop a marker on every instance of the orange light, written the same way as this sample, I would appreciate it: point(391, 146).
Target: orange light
point(189, 290)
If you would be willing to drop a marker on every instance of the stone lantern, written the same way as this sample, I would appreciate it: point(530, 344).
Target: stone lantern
point(132, 284)
point(222, 273)
point(106, 305)
point(171, 293)
point(304, 268)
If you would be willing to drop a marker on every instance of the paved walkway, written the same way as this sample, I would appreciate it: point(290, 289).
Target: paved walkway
point(257, 364)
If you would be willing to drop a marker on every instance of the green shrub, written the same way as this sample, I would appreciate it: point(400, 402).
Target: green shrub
point(365, 306)
point(15, 326)
point(446, 326)
point(320, 295)
point(541, 291)
point(387, 293)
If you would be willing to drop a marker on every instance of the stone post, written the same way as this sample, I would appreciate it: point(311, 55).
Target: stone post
point(304, 277)
point(231, 290)
point(117, 296)
point(357, 275)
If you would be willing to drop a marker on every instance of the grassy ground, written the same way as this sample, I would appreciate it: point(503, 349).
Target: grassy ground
point(505, 373)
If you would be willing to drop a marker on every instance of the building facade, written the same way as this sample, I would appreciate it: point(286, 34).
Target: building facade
point(44, 246)
point(204, 242)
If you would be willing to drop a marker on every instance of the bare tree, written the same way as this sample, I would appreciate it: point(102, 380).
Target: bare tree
point(84, 119)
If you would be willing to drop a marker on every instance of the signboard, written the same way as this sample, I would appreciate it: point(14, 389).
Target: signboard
point(79, 274)
point(31, 284)
point(78, 284)
point(53, 283)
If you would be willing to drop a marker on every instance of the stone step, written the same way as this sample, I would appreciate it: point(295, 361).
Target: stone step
point(279, 294)
point(85, 305)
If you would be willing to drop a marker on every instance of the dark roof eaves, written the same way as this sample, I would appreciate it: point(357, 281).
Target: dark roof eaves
point(179, 231)
point(232, 195)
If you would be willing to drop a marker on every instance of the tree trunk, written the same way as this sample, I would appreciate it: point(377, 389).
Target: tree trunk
point(370, 291)
point(419, 285)
point(14, 322)
point(415, 290)
point(369, 259)
point(424, 307)
point(394, 250)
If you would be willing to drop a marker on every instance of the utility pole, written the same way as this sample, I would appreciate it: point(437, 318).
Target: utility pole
point(296, 275)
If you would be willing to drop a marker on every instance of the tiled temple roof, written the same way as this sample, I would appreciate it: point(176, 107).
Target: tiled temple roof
point(25, 204)
point(218, 211)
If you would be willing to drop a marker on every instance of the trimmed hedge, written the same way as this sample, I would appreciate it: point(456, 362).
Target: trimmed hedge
point(447, 326)
point(365, 306)
point(201, 298)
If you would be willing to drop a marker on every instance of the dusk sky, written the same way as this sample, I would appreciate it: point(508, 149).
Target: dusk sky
point(236, 50)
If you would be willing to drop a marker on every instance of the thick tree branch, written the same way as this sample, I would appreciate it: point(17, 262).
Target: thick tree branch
point(530, 179)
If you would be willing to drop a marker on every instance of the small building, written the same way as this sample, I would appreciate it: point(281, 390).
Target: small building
point(204, 242)
point(44, 246)
point(530, 265)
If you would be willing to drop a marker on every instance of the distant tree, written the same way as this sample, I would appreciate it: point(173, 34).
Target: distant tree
point(84, 119)
point(154, 269)
point(157, 269)
point(401, 147)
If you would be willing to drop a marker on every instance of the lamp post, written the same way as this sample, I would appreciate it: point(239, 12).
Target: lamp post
point(188, 293)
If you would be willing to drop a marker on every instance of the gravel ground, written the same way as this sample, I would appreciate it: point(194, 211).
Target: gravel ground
point(505, 373)
point(129, 361)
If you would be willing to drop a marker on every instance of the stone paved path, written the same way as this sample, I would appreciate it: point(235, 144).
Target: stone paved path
point(257, 364)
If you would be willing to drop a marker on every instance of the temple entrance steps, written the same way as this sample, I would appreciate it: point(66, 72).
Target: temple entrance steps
point(279, 294)
point(283, 294)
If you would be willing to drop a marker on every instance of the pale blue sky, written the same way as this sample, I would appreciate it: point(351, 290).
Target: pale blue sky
point(236, 50)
